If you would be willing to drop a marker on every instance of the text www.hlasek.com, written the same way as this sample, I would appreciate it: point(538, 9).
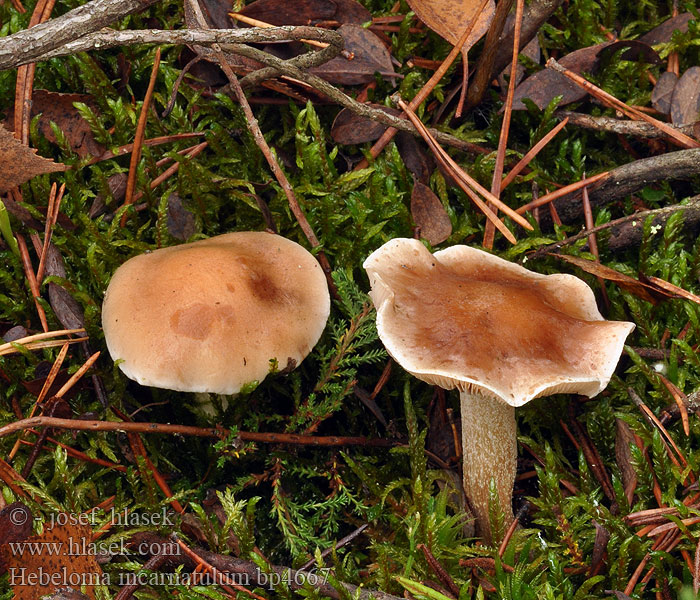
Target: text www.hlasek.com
point(26, 576)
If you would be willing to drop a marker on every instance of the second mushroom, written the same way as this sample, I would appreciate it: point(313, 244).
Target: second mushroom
point(501, 334)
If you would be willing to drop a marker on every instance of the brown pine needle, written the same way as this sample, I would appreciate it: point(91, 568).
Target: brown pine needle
point(172, 169)
point(674, 289)
point(679, 398)
point(51, 217)
point(156, 141)
point(32, 342)
point(489, 231)
point(470, 186)
point(593, 240)
point(31, 277)
point(633, 113)
point(139, 136)
point(534, 151)
point(77, 375)
point(425, 91)
point(662, 430)
point(547, 198)
point(55, 368)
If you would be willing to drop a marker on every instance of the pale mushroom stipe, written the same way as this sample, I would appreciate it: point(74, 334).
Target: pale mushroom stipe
point(211, 315)
point(499, 333)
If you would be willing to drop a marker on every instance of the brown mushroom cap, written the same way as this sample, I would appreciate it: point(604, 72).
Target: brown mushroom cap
point(464, 318)
point(209, 316)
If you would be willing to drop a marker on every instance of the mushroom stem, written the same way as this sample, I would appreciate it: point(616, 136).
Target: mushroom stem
point(489, 451)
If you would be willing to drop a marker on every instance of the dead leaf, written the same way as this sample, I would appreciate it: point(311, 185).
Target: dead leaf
point(15, 525)
point(543, 86)
point(19, 163)
point(450, 18)
point(602, 537)
point(59, 108)
point(180, 220)
point(636, 51)
point(532, 51)
point(117, 190)
point(370, 56)
point(430, 215)
point(350, 128)
point(415, 157)
point(216, 13)
point(633, 286)
point(685, 103)
point(63, 555)
point(663, 32)
point(307, 12)
point(663, 92)
point(65, 307)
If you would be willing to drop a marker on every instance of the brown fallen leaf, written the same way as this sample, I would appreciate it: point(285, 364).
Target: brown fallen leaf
point(531, 51)
point(663, 32)
point(350, 128)
point(181, 222)
point(638, 288)
point(449, 19)
point(15, 525)
point(65, 306)
point(58, 108)
point(430, 215)
point(63, 555)
point(417, 160)
point(685, 102)
point(600, 544)
point(542, 87)
point(306, 12)
point(370, 56)
point(663, 92)
point(19, 163)
point(636, 51)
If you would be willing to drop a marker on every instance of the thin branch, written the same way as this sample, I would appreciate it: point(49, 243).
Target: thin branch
point(633, 221)
point(213, 432)
point(638, 129)
point(26, 46)
point(110, 38)
point(627, 179)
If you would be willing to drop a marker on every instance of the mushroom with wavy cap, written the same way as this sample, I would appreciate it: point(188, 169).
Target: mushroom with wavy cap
point(499, 333)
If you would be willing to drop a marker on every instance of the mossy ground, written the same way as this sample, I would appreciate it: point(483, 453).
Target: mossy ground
point(294, 501)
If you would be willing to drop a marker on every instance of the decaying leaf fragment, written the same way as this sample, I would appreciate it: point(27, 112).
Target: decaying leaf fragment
point(450, 18)
point(71, 561)
point(60, 109)
point(19, 163)
point(430, 215)
point(369, 56)
point(685, 102)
